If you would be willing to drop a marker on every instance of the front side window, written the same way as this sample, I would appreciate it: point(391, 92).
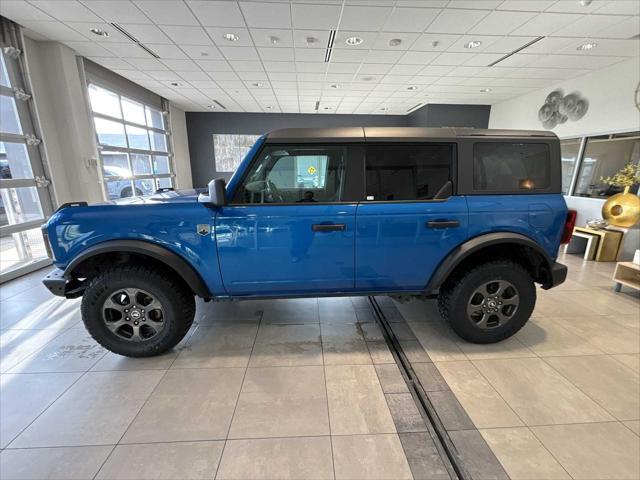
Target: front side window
point(408, 172)
point(295, 174)
point(511, 167)
point(133, 143)
point(604, 157)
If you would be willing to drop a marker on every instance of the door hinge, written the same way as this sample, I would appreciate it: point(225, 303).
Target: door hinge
point(42, 182)
point(21, 94)
point(32, 140)
point(12, 52)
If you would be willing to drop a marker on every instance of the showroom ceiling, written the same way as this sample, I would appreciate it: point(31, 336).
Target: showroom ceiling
point(387, 56)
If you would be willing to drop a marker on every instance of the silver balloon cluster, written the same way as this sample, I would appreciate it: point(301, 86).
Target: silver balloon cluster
point(558, 108)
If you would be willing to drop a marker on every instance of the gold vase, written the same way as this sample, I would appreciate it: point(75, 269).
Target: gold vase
point(622, 209)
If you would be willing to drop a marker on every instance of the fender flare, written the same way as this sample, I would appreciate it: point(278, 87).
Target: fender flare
point(157, 252)
point(463, 251)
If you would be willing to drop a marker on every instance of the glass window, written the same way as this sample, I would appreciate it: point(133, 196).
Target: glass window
point(407, 172)
point(296, 174)
point(229, 150)
point(21, 248)
point(104, 102)
point(569, 150)
point(130, 133)
point(19, 205)
point(9, 115)
point(133, 111)
point(14, 161)
point(510, 167)
point(4, 76)
point(604, 157)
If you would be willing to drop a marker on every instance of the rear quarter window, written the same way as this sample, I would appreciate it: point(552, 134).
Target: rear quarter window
point(511, 167)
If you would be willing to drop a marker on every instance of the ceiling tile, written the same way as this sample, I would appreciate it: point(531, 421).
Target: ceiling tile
point(479, 4)
point(127, 50)
point(588, 25)
point(122, 12)
point(343, 67)
point(224, 76)
point(620, 7)
point(459, 44)
point(520, 60)
point(84, 28)
point(279, 66)
point(181, 65)
point(345, 55)
point(464, 71)
point(456, 21)
point(377, 68)
point(548, 45)
point(566, 6)
point(310, 38)
point(309, 55)
point(434, 42)
point(271, 37)
point(54, 31)
point(66, 10)
point(217, 14)
point(276, 54)
point(167, 13)
point(146, 33)
point(239, 53)
point(436, 70)
point(383, 56)
point(507, 44)
point(399, 69)
point(500, 23)
point(453, 58)
point(199, 75)
point(218, 33)
point(526, 5)
point(214, 65)
point(621, 48)
point(146, 64)
point(167, 51)
point(624, 30)
point(132, 74)
point(113, 63)
point(310, 67)
point(20, 10)
point(202, 52)
point(364, 18)
point(418, 58)
point(410, 19)
point(165, 75)
point(266, 15)
point(323, 17)
point(90, 49)
point(381, 42)
point(187, 35)
point(246, 65)
point(545, 24)
point(483, 59)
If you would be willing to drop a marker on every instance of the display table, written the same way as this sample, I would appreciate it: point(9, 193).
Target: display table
point(608, 242)
point(627, 274)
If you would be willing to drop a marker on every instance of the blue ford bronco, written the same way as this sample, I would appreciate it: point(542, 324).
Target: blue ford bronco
point(474, 217)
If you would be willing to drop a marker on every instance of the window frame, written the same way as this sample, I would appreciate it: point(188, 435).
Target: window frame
point(354, 175)
point(453, 162)
point(104, 179)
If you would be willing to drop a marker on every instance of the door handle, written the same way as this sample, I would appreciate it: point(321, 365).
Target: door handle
point(443, 224)
point(328, 227)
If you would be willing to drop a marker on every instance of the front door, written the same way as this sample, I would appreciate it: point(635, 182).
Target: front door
point(290, 226)
point(410, 220)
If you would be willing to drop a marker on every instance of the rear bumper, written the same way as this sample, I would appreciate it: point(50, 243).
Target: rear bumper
point(558, 275)
point(61, 286)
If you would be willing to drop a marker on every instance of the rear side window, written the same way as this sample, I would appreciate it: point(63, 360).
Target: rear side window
point(408, 172)
point(511, 167)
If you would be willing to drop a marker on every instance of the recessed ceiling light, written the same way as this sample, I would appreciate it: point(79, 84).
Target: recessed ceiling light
point(394, 42)
point(311, 40)
point(473, 44)
point(99, 32)
point(587, 46)
point(412, 87)
point(273, 39)
point(257, 84)
point(334, 85)
point(485, 90)
point(231, 37)
point(354, 41)
point(585, 3)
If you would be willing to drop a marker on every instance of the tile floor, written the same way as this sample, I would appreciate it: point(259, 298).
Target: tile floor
point(277, 389)
point(561, 399)
point(308, 389)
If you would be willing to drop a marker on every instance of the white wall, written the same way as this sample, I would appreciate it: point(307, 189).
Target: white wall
point(611, 103)
point(181, 159)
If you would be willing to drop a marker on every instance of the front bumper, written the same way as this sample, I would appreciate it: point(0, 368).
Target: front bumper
point(558, 275)
point(61, 286)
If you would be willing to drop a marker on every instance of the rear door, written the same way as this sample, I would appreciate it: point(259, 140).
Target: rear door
point(410, 218)
point(290, 227)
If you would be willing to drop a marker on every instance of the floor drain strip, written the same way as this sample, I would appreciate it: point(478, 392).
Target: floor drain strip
point(427, 410)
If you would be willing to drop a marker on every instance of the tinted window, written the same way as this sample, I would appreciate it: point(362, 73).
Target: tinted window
point(408, 172)
point(509, 167)
point(295, 174)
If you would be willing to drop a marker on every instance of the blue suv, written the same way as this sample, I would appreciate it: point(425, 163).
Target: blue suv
point(474, 217)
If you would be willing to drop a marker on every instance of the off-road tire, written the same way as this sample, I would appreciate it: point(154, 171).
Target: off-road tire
point(457, 291)
point(177, 300)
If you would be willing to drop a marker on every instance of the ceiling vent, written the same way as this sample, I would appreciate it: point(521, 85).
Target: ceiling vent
point(219, 104)
point(317, 105)
point(515, 51)
point(135, 40)
point(327, 54)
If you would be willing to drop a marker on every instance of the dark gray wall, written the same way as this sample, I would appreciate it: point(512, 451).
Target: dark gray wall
point(202, 125)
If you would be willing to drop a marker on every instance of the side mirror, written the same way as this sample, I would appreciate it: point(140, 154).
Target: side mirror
point(216, 195)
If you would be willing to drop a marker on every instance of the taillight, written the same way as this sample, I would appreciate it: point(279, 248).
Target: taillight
point(569, 223)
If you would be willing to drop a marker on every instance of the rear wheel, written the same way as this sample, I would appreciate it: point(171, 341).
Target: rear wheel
point(137, 311)
point(488, 302)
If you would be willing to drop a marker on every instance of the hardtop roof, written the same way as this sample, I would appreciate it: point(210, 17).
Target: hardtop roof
point(384, 134)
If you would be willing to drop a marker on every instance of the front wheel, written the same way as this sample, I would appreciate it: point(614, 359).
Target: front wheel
point(489, 302)
point(137, 311)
